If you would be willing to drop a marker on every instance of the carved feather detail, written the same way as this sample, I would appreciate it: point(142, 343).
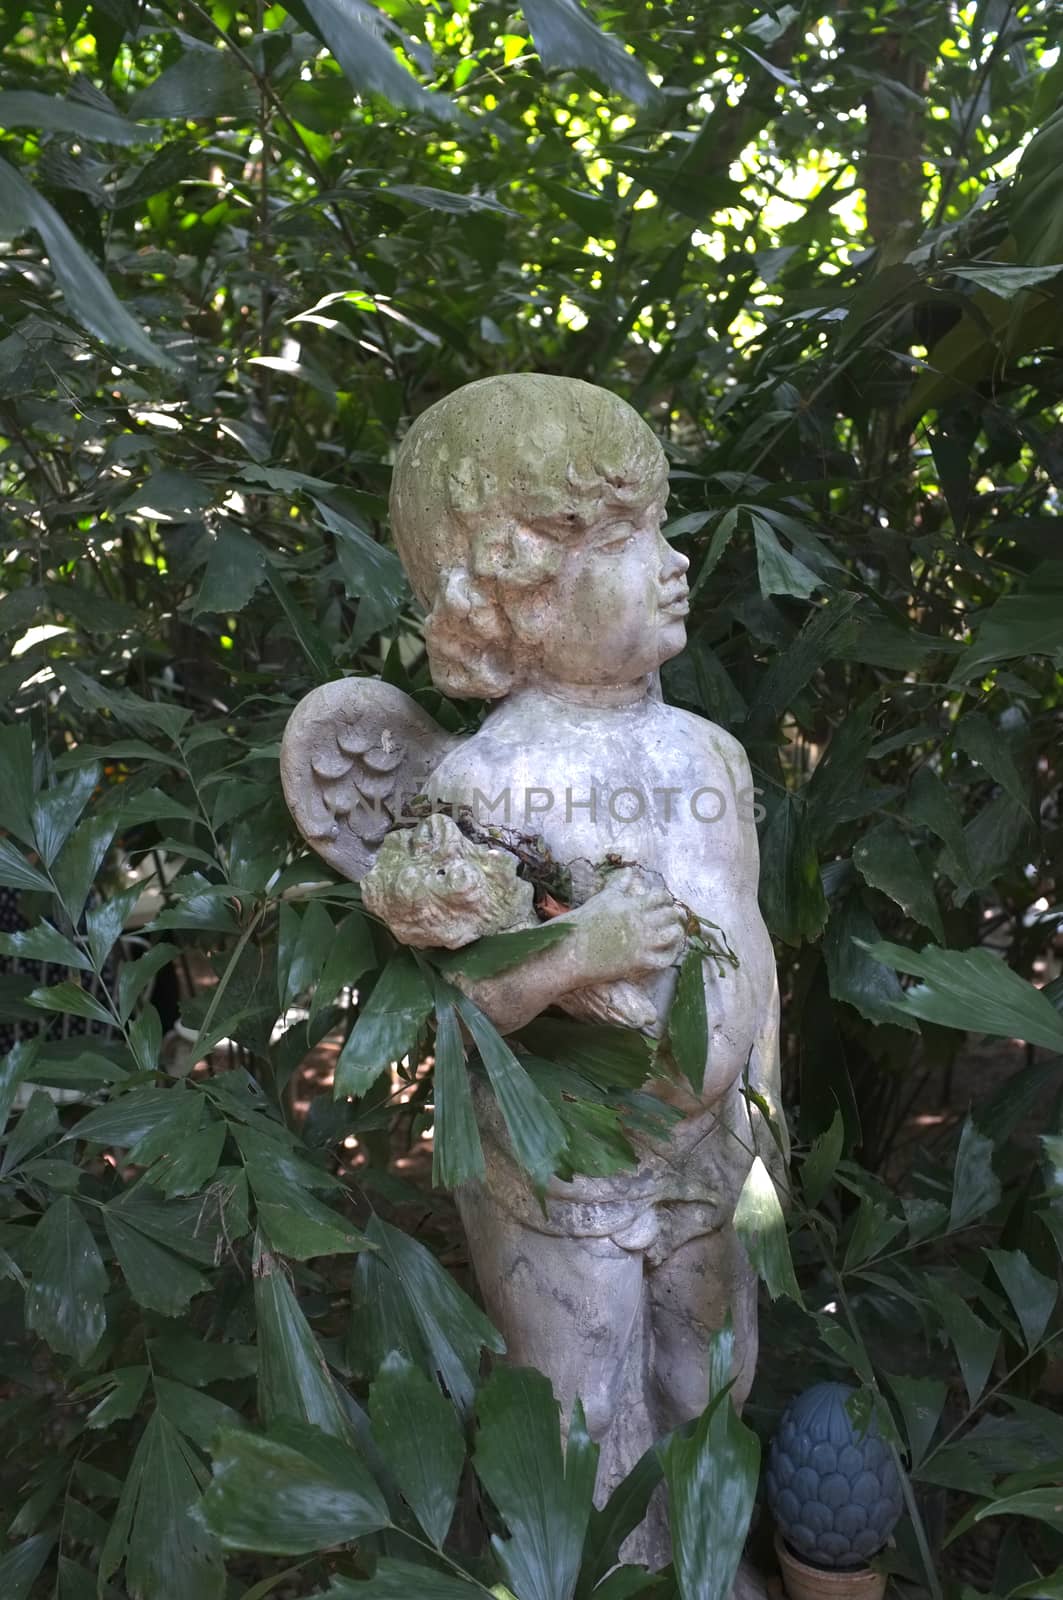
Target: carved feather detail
point(354, 754)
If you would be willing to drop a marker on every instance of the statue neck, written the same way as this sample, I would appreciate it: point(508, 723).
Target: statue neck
point(595, 694)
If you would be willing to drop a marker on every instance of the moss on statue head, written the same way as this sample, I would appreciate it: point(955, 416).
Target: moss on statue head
point(490, 485)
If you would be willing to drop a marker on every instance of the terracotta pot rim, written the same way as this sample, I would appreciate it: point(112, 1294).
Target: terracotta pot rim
point(828, 1580)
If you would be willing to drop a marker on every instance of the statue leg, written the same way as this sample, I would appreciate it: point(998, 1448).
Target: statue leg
point(574, 1308)
point(691, 1292)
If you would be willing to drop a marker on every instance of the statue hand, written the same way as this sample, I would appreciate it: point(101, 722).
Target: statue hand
point(632, 925)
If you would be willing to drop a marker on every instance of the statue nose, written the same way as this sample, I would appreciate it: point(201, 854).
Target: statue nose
point(673, 562)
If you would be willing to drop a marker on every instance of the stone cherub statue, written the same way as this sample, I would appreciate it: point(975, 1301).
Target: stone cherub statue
point(527, 513)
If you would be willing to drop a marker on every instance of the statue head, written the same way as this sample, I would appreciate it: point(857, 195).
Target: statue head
point(526, 509)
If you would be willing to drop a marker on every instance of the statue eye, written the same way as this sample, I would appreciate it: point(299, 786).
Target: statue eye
point(617, 541)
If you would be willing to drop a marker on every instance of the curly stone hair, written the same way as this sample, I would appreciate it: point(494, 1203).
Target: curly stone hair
point(490, 484)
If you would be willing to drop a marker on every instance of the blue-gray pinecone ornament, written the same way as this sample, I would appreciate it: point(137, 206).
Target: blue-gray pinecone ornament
point(835, 1494)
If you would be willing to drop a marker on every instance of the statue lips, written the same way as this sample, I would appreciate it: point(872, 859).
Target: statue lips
point(678, 606)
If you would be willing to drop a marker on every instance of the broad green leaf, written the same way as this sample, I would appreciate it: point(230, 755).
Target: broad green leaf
point(117, 750)
point(975, 1186)
point(303, 943)
point(402, 1580)
point(1041, 1505)
point(152, 805)
point(873, 1229)
point(16, 773)
point(534, 1128)
point(295, 1223)
point(294, 1382)
point(619, 1517)
point(974, 1342)
point(65, 1300)
point(382, 1319)
point(978, 738)
point(17, 873)
point(499, 951)
point(38, 1125)
point(20, 1566)
point(1007, 281)
point(44, 943)
point(14, 1068)
point(420, 1439)
point(567, 37)
point(156, 1278)
point(387, 1026)
point(760, 1224)
point(821, 1163)
point(236, 566)
point(1016, 627)
point(24, 108)
point(932, 805)
point(191, 1164)
point(423, 194)
point(543, 1496)
point(260, 1591)
point(355, 33)
point(205, 82)
point(306, 1229)
point(1032, 1294)
point(198, 1227)
point(105, 921)
point(975, 991)
point(145, 1040)
point(778, 571)
point(454, 1330)
point(886, 860)
point(131, 1117)
point(595, 1139)
point(372, 575)
point(169, 1554)
point(921, 1402)
point(688, 1021)
point(712, 1484)
point(290, 1491)
point(80, 860)
point(633, 1583)
point(1049, 1587)
point(611, 1057)
point(838, 774)
point(201, 1361)
point(457, 1154)
point(126, 1387)
point(134, 976)
point(71, 999)
point(198, 1416)
point(87, 292)
point(791, 893)
point(306, 632)
point(350, 954)
point(198, 904)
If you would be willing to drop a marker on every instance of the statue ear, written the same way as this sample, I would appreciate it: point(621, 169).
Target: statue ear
point(468, 639)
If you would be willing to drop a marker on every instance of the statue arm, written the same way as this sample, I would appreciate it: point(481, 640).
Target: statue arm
point(630, 927)
point(742, 1003)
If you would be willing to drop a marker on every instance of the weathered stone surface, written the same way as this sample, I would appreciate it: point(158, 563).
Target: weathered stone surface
point(527, 512)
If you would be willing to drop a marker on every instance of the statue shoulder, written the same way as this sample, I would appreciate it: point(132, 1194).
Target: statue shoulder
point(354, 753)
point(718, 744)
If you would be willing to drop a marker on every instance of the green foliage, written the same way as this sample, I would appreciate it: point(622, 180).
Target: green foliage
point(244, 246)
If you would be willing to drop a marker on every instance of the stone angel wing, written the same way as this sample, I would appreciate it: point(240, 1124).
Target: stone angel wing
point(354, 753)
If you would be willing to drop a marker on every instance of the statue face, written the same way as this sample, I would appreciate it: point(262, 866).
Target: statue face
point(615, 609)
